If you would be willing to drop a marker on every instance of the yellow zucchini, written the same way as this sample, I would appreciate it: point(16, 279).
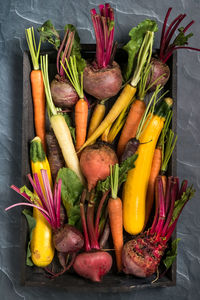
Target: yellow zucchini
point(135, 187)
point(42, 249)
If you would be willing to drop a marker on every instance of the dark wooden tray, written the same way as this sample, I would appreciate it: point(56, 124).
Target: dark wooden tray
point(112, 282)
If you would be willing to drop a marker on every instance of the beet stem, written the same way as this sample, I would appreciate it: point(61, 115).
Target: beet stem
point(98, 214)
point(60, 50)
point(49, 196)
point(171, 30)
point(67, 52)
point(155, 220)
point(168, 193)
point(162, 216)
point(182, 189)
point(105, 234)
point(163, 31)
point(83, 221)
point(172, 49)
point(54, 275)
point(188, 26)
point(172, 197)
point(90, 222)
point(58, 202)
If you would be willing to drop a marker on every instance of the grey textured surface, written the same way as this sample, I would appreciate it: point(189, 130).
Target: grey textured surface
point(15, 16)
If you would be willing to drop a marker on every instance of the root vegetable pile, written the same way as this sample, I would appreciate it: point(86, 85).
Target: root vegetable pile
point(102, 198)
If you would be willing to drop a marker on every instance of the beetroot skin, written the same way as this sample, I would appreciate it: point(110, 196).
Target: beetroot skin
point(68, 239)
point(63, 94)
point(102, 83)
point(95, 162)
point(93, 265)
point(141, 256)
point(158, 68)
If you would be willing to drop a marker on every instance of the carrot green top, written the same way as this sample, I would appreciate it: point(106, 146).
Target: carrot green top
point(34, 51)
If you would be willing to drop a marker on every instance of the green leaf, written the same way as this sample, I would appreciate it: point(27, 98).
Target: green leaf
point(76, 49)
point(124, 167)
point(71, 190)
point(48, 33)
point(31, 225)
point(132, 47)
point(171, 254)
point(181, 202)
point(181, 38)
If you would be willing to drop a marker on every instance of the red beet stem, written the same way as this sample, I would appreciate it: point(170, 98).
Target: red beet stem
point(163, 31)
point(104, 35)
point(49, 196)
point(67, 52)
point(172, 196)
point(182, 189)
point(172, 49)
point(60, 50)
point(98, 214)
point(58, 202)
point(90, 222)
point(172, 28)
point(155, 220)
point(83, 221)
point(168, 194)
point(188, 26)
point(161, 218)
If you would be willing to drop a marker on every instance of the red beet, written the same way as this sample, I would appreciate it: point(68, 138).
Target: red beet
point(142, 256)
point(102, 79)
point(95, 162)
point(102, 83)
point(93, 265)
point(158, 70)
point(63, 94)
point(68, 239)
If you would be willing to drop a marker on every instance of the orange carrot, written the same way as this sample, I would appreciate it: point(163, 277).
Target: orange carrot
point(37, 85)
point(81, 116)
point(155, 170)
point(116, 216)
point(164, 182)
point(131, 125)
point(81, 107)
point(38, 94)
point(116, 225)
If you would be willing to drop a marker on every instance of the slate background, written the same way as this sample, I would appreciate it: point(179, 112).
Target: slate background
point(17, 15)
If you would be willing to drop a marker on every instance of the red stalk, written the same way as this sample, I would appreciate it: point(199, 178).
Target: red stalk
point(98, 214)
point(188, 26)
point(155, 220)
point(161, 218)
point(182, 189)
point(90, 222)
point(60, 50)
point(52, 210)
point(172, 28)
point(67, 52)
point(49, 196)
point(169, 53)
point(83, 221)
point(39, 191)
point(173, 193)
point(104, 37)
point(168, 193)
point(163, 30)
